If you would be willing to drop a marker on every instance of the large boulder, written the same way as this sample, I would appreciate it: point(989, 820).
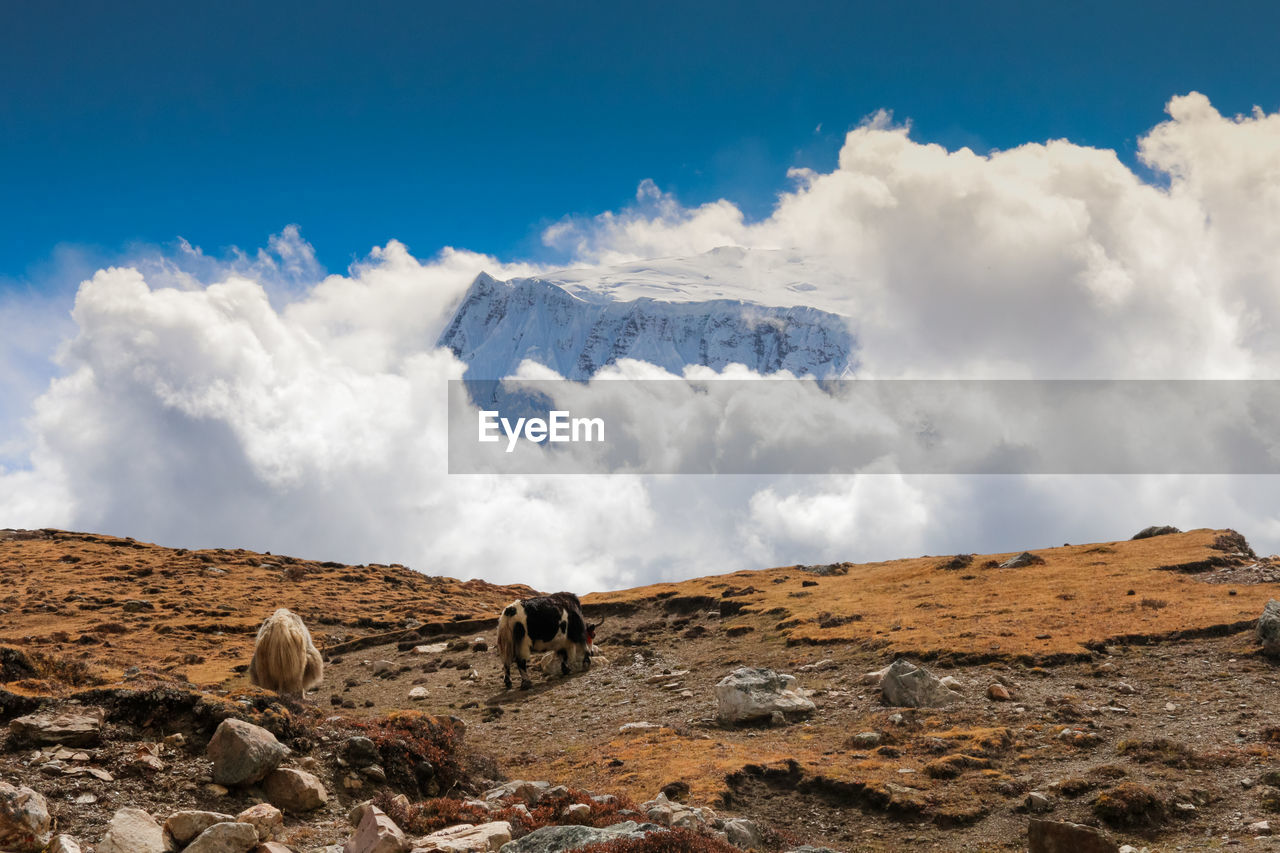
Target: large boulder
point(185, 825)
point(295, 791)
point(906, 685)
point(1052, 836)
point(24, 819)
point(557, 839)
point(466, 838)
point(225, 838)
point(133, 831)
point(1268, 631)
point(243, 753)
point(68, 728)
point(377, 833)
point(753, 693)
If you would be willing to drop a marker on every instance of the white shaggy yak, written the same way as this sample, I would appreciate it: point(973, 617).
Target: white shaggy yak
point(284, 658)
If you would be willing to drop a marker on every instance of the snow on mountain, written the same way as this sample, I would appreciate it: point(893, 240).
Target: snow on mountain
point(727, 306)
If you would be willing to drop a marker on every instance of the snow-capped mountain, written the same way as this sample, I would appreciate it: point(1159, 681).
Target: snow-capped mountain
point(710, 310)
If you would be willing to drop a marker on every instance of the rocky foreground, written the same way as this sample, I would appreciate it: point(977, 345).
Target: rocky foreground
point(719, 717)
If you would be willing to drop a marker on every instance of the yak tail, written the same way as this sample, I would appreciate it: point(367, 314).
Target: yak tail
point(284, 657)
point(506, 642)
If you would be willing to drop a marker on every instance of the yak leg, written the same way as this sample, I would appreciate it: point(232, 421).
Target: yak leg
point(523, 666)
point(506, 675)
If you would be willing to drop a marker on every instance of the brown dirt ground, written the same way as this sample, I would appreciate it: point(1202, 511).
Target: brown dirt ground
point(1177, 641)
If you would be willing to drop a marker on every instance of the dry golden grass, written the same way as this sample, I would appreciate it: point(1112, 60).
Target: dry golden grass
point(64, 595)
point(1081, 595)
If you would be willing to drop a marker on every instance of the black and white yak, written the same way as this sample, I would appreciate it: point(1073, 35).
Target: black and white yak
point(548, 623)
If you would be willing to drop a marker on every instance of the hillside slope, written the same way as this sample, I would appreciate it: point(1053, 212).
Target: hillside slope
point(114, 603)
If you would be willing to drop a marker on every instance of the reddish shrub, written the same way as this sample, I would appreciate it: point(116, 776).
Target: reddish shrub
point(420, 752)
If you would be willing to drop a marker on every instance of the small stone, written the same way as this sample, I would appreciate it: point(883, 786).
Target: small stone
point(418, 694)
point(642, 726)
point(998, 692)
point(133, 831)
point(578, 810)
point(225, 838)
point(68, 728)
point(186, 825)
point(465, 838)
point(744, 833)
point(383, 667)
point(908, 685)
point(376, 833)
point(265, 818)
point(1038, 803)
point(1262, 827)
point(867, 739)
point(360, 752)
point(1048, 836)
point(1184, 808)
point(24, 819)
point(64, 844)
point(295, 791)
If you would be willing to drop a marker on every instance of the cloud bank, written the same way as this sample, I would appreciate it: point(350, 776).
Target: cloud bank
point(252, 401)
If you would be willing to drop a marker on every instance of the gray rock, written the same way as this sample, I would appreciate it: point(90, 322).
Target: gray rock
point(1156, 530)
point(529, 792)
point(295, 791)
point(360, 752)
point(867, 739)
point(83, 728)
point(743, 833)
point(1268, 630)
point(906, 685)
point(24, 819)
point(465, 838)
point(753, 693)
point(557, 839)
point(243, 753)
point(133, 831)
point(1038, 803)
point(225, 838)
point(1050, 836)
point(186, 825)
point(1026, 558)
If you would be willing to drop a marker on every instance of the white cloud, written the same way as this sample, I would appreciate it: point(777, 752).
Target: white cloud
point(252, 401)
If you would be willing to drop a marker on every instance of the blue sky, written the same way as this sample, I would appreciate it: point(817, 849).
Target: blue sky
point(476, 125)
